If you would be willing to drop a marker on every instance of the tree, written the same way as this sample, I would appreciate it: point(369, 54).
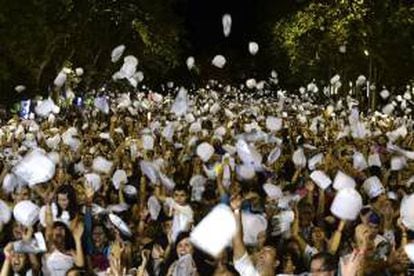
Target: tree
point(349, 38)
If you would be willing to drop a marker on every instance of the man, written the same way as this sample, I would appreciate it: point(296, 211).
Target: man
point(323, 264)
point(266, 262)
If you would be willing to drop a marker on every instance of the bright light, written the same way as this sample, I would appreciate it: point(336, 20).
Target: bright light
point(366, 52)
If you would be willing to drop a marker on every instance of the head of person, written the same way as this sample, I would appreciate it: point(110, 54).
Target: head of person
point(364, 237)
point(318, 236)
point(266, 261)
point(19, 262)
point(180, 194)
point(307, 213)
point(99, 235)
point(21, 193)
point(62, 236)
point(66, 200)
point(183, 245)
point(323, 264)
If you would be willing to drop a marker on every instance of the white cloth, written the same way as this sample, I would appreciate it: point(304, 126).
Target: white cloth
point(57, 264)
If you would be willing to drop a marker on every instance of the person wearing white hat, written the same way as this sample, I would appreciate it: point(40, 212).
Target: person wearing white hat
point(266, 258)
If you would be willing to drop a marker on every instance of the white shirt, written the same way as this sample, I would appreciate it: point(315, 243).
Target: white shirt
point(245, 267)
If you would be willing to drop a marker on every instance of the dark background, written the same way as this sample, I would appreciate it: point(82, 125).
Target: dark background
point(299, 39)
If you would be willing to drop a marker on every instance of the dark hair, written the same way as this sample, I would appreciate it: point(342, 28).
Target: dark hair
point(73, 207)
point(330, 262)
point(69, 240)
point(181, 187)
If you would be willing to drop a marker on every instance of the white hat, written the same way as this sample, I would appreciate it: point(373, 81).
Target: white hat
point(299, 158)
point(409, 250)
point(398, 163)
point(167, 182)
point(26, 213)
point(94, 180)
point(119, 177)
point(274, 155)
point(359, 161)
point(154, 207)
point(130, 190)
point(35, 168)
point(120, 224)
point(315, 160)
point(407, 211)
point(5, 212)
point(252, 225)
point(272, 191)
point(273, 123)
point(147, 142)
point(205, 151)
point(245, 172)
point(321, 179)
point(215, 231)
point(343, 180)
point(149, 170)
point(248, 154)
point(374, 160)
point(9, 183)
point(347, 204)
point(373, 187)
point(102, 165)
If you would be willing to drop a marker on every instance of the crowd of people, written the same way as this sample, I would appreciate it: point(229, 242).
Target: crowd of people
point(212, 181)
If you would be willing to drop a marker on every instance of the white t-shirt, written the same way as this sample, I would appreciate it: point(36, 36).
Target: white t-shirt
point(245, 267)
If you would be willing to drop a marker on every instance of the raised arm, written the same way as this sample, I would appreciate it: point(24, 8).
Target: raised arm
point(239, 249)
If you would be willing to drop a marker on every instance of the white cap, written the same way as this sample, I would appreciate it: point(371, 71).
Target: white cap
point(398, 163)
point(274, 155)
point(102, 165)
point(167, 182)
point(374, 160)
point(5, 212)
point(299, 158)
point(215, 231)
point(94, 180)
point(315, 160)
point(343, 180)
point(26, 213)
point(149, 170)
point(272, 191)
point(347, 204)
point(130, 190)
point(9, 183)
point(120, 224)
point(274, 123)
point(147, 142)
point(359, 161)
point(252, 225)
point(35, 168)
point(409, 250)
point(321, 179)
point(154, 207)
point(373, 187)
point(407, 211)
point(205, 151)
point(119, 177)
point(245, 172)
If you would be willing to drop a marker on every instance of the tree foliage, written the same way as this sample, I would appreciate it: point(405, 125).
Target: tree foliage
point(37, 37)
point(350, 38)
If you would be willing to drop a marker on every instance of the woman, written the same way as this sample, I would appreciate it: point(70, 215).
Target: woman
point(65, 248)
point(65, 208)
point(184, 263)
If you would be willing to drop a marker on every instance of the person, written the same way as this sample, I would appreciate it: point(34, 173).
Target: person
point(323, 264)
point(64, 248)
point(266, 262)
